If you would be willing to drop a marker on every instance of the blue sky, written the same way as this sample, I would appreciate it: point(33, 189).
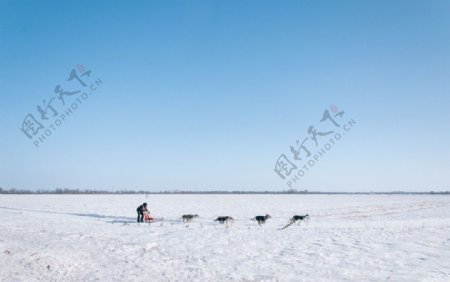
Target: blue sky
point(207, 94)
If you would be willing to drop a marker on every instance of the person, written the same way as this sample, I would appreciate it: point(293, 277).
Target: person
point(140, 211)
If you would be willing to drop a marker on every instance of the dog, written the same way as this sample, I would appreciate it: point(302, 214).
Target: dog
point(261, 219)
point(296, 218)
point(188, 217)
point(224, 219)
point(299, 218)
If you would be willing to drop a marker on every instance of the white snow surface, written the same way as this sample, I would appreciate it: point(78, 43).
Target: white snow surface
point(348, 238)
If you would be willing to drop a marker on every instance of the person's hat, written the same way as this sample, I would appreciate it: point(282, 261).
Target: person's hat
point(145, 204)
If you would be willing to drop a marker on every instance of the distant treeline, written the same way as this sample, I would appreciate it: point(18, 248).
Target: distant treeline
point(292, 191)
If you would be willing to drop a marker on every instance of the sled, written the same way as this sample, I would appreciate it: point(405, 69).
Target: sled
point(148, 217)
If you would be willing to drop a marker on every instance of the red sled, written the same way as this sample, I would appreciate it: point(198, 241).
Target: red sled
point(148, 217)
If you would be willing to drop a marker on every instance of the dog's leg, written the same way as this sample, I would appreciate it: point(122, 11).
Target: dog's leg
point(228, 223)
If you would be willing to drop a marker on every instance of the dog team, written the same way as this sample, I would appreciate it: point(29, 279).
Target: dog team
point(188, 218)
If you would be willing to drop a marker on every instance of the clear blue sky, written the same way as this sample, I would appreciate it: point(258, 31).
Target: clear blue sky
point(208, 94)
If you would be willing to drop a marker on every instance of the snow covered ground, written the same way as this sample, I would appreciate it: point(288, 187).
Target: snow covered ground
point(348, 237)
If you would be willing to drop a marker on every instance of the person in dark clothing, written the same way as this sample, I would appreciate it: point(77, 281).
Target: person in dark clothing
point(140, 211)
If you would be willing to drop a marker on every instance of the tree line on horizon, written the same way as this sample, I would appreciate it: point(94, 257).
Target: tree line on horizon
point(290, 191)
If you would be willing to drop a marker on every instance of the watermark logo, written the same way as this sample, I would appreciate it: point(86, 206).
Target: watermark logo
point(54, 111)
point(307, 151)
